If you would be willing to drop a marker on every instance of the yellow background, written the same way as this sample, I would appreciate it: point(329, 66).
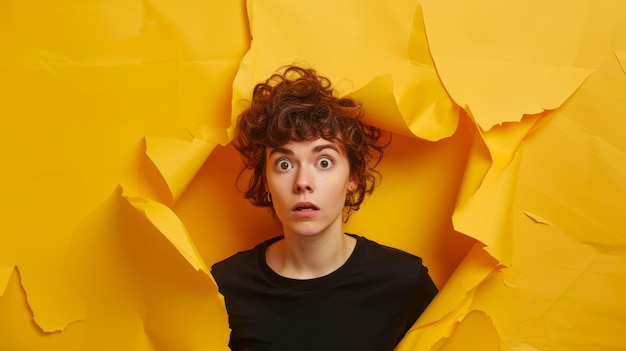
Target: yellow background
point(507, 172)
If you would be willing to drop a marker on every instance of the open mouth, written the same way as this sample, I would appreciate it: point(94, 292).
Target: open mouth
point(305, 206)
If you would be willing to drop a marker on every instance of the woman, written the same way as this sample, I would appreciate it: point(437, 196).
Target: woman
point(315, 287)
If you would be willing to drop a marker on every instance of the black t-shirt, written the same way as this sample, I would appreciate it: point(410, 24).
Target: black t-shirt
point(369, 303)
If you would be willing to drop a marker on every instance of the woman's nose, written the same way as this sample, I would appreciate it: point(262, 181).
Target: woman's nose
point(303, 182)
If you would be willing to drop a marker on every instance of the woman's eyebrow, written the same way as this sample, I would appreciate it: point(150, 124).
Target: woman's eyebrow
point(280, 150)
point(316, 149)
point(322, 147)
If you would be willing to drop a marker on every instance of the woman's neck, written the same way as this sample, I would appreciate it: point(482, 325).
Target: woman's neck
point(308, 257)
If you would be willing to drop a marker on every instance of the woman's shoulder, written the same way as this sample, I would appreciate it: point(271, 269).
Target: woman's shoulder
point(391, 270)
point(241, 261)
point(384, 251)
point(376, 257)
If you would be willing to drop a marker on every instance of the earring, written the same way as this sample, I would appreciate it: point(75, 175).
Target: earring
point(268, 197)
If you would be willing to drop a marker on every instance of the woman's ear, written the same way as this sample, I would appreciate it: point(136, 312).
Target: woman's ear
point(352, 184)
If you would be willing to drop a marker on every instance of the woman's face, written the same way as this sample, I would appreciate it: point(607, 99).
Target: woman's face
point(308, 181)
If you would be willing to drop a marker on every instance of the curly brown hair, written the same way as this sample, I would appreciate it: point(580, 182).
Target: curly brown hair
point(299, 104)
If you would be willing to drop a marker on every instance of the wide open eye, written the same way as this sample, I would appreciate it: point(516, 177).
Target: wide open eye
point(283, 165)
point(325, 162)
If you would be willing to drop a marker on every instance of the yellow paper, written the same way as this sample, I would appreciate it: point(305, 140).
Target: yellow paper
point(485, 213)
point(475, 323)
point(386, 35)
point(18, 331)
point(171, 227)
point(503, 60)
point(5, 275)
point(178, 161)
point(506, 172)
